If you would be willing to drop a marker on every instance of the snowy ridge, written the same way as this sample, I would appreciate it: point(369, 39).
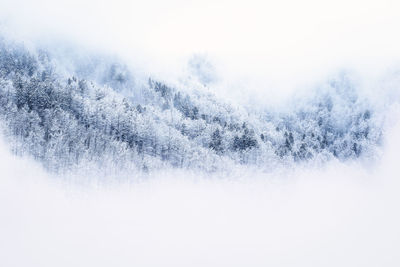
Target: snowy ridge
point(101, 115)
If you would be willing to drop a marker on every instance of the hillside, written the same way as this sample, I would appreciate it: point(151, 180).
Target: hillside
point(97, 114)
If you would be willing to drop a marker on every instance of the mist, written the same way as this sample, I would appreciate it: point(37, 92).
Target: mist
point(266, 48)
point(342, 214)
point(257, 56)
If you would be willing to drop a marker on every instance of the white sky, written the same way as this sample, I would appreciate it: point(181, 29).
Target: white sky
point(281, 29)
point(280, 44)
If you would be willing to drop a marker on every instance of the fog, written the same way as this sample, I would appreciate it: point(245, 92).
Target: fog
point(268, 48)
point(260, 52)
point(338, 215)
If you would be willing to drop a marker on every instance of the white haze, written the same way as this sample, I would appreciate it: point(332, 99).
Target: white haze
point(267, 48)
point(343, 214)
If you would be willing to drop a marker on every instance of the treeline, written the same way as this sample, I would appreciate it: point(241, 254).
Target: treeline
point(69, 121)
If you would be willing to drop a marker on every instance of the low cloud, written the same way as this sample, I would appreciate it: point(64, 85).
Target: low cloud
point(342, 214)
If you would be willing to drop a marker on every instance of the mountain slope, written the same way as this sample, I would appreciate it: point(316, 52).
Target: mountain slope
point(99, 115)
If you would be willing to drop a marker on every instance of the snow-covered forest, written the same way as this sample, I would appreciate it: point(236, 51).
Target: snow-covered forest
point(98, 112)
